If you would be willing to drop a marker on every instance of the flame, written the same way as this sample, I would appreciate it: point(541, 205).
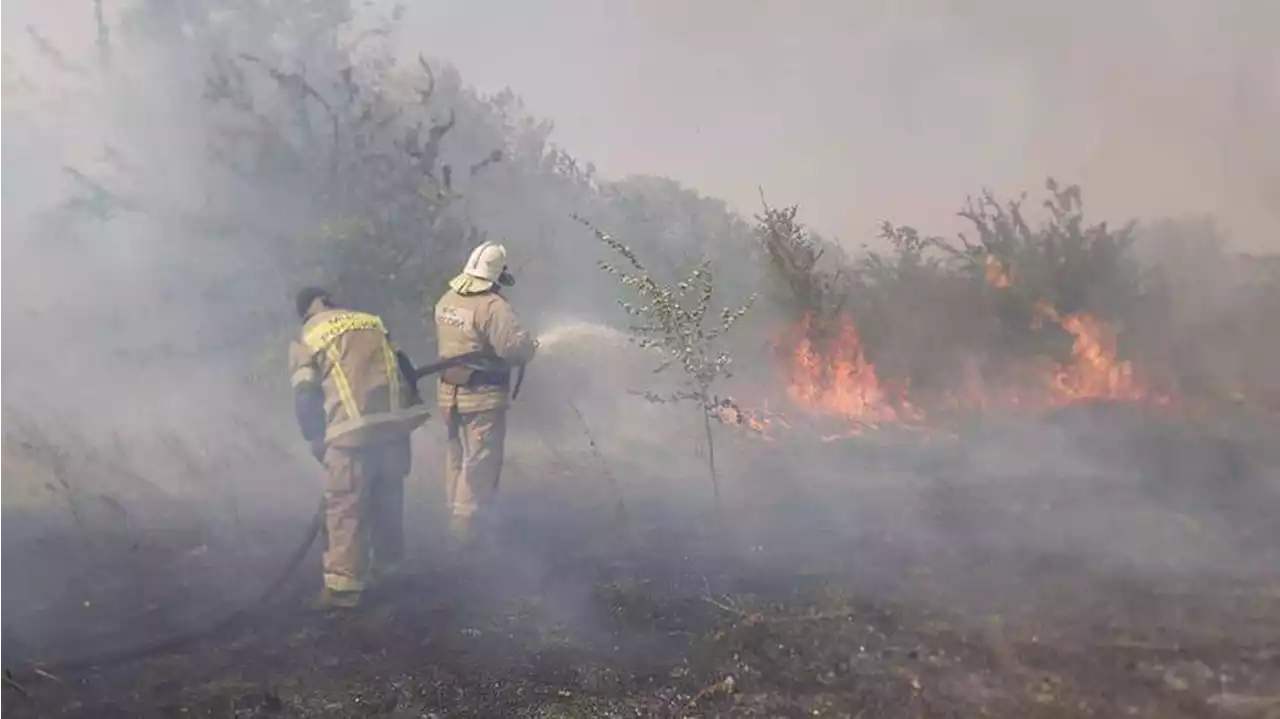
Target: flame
point(759, 422)
point(1095, 371)
point(834, 378)
point(997, 275)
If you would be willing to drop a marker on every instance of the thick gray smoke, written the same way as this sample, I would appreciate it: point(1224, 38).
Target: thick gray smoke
point(149, 270)
point(870, 110)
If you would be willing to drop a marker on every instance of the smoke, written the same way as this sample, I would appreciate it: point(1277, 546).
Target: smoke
point(136, 325)
point(148, 287)
point(863, 111)
point(133, 323)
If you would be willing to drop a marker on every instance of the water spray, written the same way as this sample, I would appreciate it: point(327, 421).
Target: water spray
point(577, 330)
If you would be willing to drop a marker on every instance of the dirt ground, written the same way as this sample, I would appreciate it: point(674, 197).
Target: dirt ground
point(934, 590)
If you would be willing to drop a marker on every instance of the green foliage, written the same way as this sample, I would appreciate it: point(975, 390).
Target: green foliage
point(910, 258)
point(910, 310)
point(309, 156)
point(369, 158)
point(319, 158)
point(677, 321)
point(806, 288)
point(1078, 267)
point(312, 156)
point(926, 309)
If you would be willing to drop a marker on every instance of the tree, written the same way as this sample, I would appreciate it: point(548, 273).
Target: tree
point(676, 321)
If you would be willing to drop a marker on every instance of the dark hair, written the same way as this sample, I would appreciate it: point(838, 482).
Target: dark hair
point(308, 295)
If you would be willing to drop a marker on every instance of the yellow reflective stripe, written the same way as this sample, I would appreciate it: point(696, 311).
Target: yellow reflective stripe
point(323, 334)
point(344, 387)
point(409, 418)
point(393, 374)
point(342, 583)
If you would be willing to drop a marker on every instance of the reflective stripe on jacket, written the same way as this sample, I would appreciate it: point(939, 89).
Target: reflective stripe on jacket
point(366, 397)
point(480, 322)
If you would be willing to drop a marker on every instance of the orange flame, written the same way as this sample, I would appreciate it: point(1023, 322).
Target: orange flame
point(834, 378)
point(758, 422)
point(1095, 371)
point(997, 275)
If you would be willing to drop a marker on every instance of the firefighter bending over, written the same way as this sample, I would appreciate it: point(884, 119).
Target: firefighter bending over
point(473, 316)
point(357, 404)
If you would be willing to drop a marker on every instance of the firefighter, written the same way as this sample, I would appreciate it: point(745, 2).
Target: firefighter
point(356, 403)
point(474, 316)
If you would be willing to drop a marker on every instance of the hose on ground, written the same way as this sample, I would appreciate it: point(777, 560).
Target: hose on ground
point(165, 645)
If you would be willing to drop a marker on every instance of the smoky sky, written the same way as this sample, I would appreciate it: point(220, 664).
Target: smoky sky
point(872, 109)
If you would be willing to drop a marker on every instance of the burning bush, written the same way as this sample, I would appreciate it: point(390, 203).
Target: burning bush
point(1020, 315)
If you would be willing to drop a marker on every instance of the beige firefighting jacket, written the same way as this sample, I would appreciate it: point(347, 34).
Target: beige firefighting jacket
point(474, 322)
point(366, 398)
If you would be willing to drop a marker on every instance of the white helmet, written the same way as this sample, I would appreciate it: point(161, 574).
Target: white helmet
point(488, 262)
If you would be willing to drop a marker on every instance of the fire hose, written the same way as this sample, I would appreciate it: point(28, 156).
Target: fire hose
point(173, 643)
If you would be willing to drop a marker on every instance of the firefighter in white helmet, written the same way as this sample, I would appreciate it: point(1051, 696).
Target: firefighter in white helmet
point(473, 316)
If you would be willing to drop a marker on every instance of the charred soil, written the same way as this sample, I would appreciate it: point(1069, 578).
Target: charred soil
point(851, 609)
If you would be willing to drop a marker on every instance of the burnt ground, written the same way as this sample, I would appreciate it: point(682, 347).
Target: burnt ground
point(887, 584)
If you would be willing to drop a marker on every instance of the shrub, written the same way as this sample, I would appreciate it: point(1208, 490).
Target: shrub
point(676, 320)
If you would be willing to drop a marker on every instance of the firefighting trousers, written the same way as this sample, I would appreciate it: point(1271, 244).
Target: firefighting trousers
point(364, 512)
point(473, 463)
